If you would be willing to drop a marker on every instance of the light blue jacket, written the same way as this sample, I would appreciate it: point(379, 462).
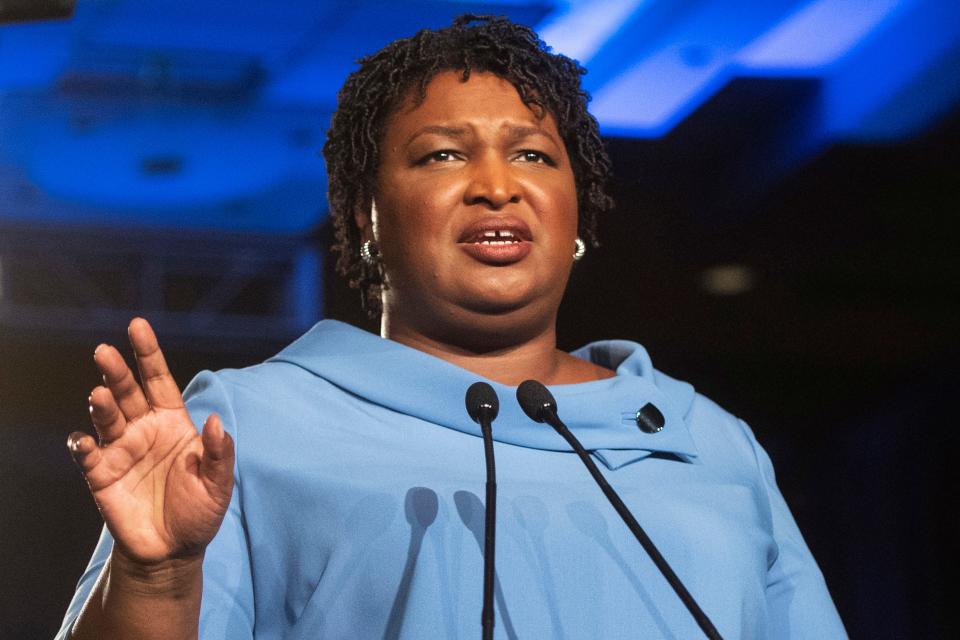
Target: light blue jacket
point(358, 508)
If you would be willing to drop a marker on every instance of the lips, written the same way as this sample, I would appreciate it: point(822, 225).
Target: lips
point(497, 241)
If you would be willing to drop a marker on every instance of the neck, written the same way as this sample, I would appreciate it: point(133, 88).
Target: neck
point(504, 356)
point(508, 362)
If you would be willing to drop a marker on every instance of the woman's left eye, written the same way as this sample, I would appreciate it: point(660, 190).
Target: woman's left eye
point(442, 156)
point(529, 155)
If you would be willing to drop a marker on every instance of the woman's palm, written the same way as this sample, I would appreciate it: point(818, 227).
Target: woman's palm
point(162, 488)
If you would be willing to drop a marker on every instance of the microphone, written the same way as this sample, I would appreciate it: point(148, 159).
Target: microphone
point(539, 404)
point(483, 407)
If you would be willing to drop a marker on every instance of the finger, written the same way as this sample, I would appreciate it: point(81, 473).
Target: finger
point(84, 450)
point(158, 385)
point(216, 465)
point(119, 379)
point(107, 418)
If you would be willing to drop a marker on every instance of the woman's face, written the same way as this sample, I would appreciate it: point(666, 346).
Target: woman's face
point(475, 208)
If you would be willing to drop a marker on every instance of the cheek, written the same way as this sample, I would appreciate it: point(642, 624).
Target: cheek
point(414, 234)
point(570, 199)
point(556, 207)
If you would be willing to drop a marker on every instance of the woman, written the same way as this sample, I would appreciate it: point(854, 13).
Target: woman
point(333, 491)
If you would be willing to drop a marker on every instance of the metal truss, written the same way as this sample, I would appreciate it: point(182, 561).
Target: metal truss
point(213, 285)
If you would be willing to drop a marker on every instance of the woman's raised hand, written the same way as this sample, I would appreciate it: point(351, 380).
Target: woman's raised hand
point(162, 488)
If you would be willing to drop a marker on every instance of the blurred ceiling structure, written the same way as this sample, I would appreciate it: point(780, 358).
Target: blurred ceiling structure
point(209, 114)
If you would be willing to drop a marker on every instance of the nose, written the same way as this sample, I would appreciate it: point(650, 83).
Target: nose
point(492, 183)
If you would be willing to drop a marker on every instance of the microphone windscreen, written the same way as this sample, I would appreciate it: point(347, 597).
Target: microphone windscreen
point(534, 398)
point(481, 396)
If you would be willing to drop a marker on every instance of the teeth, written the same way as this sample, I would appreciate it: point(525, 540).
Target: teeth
point(494, 236)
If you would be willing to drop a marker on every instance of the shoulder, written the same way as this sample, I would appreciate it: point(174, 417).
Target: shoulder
point(263, 395)
point(273, 381)
point(707, 417)
point(718, 435)
point(271, 374)
point(722, 439)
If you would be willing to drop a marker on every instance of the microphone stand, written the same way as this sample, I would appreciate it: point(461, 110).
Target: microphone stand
point(489, 530)
point(483, 406)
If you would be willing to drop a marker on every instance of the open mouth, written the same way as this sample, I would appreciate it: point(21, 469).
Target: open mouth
point(497, 241)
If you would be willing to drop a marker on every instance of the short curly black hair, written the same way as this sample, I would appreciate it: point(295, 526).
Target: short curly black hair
point(372, 93)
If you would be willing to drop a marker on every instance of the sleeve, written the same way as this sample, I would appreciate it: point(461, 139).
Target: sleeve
point(227, 609)
point(85, 586)
point(799, 605)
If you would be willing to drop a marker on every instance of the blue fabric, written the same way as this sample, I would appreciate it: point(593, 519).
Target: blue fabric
point(358, 511)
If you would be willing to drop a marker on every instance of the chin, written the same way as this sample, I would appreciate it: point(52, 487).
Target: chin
point(497, 305)
point(499, 290)
point(484, 327)
point(506, 315)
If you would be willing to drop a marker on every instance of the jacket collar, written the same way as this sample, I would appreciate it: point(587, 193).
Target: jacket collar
point(601, 413)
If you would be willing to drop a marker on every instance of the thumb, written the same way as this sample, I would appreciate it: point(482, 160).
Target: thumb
point(216, 465)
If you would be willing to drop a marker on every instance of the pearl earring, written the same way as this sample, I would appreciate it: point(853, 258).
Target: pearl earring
point(369, 252)
point(580, 248)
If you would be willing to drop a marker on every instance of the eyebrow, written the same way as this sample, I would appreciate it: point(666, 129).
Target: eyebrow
point(515, 132)
point(520, 131)
point(450, 132)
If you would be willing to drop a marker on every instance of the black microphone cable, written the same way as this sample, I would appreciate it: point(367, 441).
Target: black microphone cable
point(538, 403)
point(483, 406)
